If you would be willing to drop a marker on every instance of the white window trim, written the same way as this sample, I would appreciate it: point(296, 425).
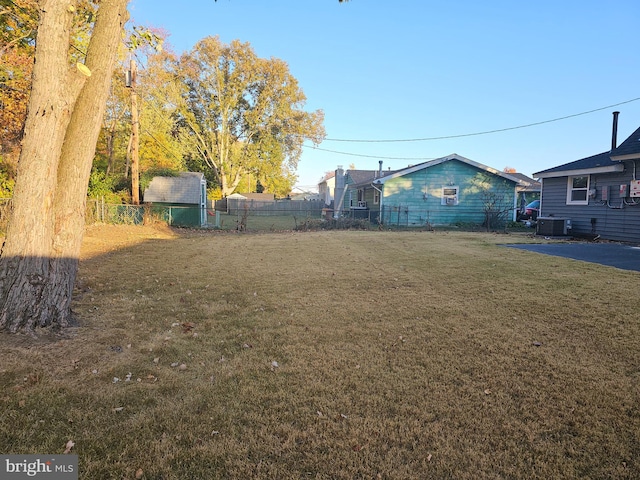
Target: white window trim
point(570, 189)
point(376, 196)
point(443, 198)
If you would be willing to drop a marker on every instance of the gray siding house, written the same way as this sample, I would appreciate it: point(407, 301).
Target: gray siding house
point(600, 194)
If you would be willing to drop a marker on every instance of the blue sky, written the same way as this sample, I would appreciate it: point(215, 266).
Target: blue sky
point(416, 69)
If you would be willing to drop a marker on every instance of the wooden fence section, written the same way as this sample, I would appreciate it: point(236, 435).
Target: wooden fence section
point(234, 206)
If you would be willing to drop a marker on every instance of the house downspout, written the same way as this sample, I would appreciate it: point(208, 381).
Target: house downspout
point(379, 190)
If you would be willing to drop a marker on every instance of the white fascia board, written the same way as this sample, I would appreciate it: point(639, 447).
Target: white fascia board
point(584, 171)
point(437, 161)
point(629, 156)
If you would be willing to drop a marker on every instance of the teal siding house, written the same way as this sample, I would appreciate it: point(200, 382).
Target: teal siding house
point(451, 190)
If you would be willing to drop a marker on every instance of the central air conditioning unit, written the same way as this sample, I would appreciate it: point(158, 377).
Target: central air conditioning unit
point(553, 226)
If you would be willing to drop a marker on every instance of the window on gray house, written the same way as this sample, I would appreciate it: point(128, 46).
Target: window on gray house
point(577, 190)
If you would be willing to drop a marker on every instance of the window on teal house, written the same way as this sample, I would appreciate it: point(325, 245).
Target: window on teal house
point(450, 195)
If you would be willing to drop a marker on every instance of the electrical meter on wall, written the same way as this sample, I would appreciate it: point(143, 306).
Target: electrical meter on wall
point(623, 191)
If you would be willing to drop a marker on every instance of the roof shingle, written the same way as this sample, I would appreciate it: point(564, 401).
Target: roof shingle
point(631, 146)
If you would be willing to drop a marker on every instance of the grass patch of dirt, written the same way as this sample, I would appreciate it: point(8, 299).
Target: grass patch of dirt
point(331, 355)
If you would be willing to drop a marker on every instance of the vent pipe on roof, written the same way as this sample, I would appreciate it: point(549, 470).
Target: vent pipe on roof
point(379, 168)
point(614, 133)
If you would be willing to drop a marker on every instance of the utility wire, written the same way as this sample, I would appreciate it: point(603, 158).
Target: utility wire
point(36, 19)
point(24, 10)
point(424, 159)
point(160, 144)
point(487, 132)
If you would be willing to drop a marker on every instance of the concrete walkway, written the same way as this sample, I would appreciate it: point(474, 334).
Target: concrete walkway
point(626, 257)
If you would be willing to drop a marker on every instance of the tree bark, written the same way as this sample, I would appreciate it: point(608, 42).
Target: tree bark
point(39, 259)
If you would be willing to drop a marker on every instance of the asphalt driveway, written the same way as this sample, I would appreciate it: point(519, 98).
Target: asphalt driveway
point(626, 257)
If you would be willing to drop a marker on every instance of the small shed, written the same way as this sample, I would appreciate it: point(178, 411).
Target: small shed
point(183, 198)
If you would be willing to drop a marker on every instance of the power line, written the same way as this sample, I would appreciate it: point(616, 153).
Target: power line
point(487, 132)
point(161, 145)
point(424, 159)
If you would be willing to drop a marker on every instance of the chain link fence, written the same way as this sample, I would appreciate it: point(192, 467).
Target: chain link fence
point(264, 216)
point(410, 216)
point(234, 215)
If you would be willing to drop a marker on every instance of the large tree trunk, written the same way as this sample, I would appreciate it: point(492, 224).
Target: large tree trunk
point(39, 258)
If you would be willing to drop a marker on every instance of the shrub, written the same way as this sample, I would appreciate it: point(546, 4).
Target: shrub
point(333, 224)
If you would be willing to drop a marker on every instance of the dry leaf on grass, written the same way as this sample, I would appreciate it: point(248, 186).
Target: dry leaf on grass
point(188, 326)
point(139, 474)
point(70, 444)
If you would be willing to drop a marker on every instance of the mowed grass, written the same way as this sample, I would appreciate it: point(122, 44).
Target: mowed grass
point(332, 355)
point(261, 223)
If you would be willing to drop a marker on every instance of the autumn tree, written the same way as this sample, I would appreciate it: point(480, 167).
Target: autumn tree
point(18, 29)
point(243, 114)
point(18, 25)
point(159, 144)
point(115, 132)
point(39, 258)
